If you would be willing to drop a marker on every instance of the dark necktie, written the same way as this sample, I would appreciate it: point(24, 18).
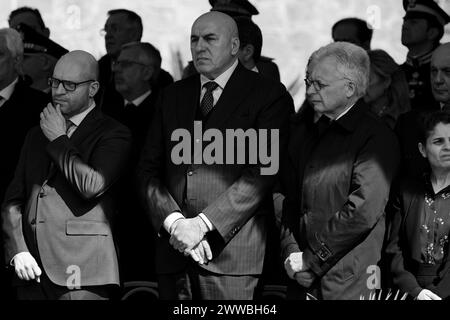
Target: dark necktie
point(208, 100)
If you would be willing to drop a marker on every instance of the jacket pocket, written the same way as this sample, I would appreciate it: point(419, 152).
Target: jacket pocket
point(87, 228)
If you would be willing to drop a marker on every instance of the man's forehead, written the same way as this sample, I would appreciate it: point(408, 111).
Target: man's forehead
point(207, 27)
point(441, 57)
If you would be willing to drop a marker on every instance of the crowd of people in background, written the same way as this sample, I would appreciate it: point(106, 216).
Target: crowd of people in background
point(92, 197)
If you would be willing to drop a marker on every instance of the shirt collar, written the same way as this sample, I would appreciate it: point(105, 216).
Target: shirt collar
point(139, 99)
point(344, 112)
point(222, 79)
point(78, 118)
point(7, 92)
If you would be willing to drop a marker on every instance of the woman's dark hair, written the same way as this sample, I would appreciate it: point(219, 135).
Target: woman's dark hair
point(429, 121)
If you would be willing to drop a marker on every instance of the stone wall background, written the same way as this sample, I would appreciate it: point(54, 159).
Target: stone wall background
point(292, 29)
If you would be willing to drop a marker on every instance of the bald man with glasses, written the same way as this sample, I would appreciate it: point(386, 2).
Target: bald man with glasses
point(58, 210)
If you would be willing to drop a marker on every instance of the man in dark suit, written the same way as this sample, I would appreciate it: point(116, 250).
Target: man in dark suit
point(121, 27)
point(215, 213)
point(20, 107)
point(58, 210)
point(336, 178)
point(422, 29)
point(134, 74)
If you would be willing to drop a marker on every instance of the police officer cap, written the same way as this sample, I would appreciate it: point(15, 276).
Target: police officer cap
point(425, 9)
point(234, 7)
point(34, 42)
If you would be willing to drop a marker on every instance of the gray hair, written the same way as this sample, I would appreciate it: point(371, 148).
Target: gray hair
point(352, 61)
point(13, 41)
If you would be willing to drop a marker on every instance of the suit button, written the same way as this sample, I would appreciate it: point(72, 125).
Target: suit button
point(190, 173)
point(197, 140)
point(33, 222)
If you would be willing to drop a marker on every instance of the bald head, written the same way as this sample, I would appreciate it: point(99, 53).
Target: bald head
point(81, 63)
point(214, 43)
point(440, 74)
point(77, 74)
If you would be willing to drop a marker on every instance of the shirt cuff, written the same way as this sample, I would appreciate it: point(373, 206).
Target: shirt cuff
point(171, 218)
point(206, 221)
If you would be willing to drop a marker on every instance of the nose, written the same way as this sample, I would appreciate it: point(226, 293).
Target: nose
point(60, 90)
point(438, 76)
point(310, 90)
point(199, 46)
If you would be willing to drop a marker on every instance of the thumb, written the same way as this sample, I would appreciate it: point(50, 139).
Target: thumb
point(58, 109)
point(207, 249)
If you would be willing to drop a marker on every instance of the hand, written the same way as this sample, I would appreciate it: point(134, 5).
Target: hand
point(426, 294)
point(305, 278)
point(26, 267)
point(201, 253)
point(187, 233)
point(294, 263)
point(53, 123)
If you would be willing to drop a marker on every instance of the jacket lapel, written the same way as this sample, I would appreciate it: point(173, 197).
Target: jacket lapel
point(237, 88)
point(187, 103)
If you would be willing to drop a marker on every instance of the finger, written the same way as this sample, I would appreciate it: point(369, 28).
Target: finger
point(37, 271)
point(58, 110)
point(207, 249)
point(24, 275)
point(434, 296)
point(194, 256)
point(30, 272)
point(200, 252)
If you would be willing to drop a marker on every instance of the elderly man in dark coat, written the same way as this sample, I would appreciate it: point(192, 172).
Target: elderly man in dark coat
point(336, 177)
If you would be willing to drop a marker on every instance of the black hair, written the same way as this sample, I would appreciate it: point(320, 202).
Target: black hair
point(364, 33)
point(250, 33)
point(132, 17)
point(429, 121)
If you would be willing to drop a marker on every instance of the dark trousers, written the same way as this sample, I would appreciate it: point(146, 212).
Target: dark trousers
point(47, 290)
point(196, 283)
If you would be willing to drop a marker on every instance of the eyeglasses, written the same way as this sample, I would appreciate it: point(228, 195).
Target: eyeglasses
point(319, 85)
point(127, 63)
point(68, 85)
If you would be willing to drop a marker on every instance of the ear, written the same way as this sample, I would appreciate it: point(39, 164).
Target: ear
point(93, 89)
point(234, 46)
point(422, 150)
point(148, 73)
point(350, 89)
point(247, 52)
point(18, 64)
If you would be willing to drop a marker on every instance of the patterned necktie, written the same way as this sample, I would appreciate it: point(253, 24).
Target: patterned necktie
point(70, 128)
point(208, 100)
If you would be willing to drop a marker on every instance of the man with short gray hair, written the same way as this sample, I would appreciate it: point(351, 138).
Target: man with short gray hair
point(344, 160)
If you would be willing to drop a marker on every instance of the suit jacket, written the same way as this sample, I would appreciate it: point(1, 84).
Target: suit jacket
point(21, 112)
point(60, 204)
point(235, 197)
point(404, 247)
point(336, 187)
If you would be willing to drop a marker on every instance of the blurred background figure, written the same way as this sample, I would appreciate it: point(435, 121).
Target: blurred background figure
point(134, 72)
point(31, 17)
point(353, 30)
point(40, 53)
point(418, 244)
point(122, 27)
point(20, 107)
point(242, 9)
point(40, 57)
point(387, 94)
point(422, 30)
point(409, 125)
point(251, 42)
